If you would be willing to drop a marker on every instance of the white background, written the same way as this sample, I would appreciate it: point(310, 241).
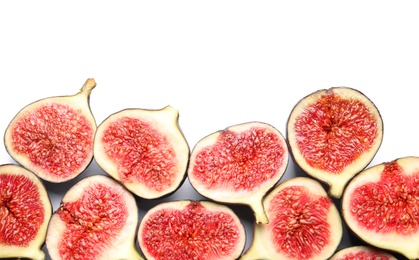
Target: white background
point(219, 63)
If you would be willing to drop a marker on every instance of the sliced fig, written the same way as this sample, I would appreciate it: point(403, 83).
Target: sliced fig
point(53, 137)
point(97, 219)
point(333, 134)
point(25, 210)
point(191, 230)
point(362, 253)
point(239, 164)
point(143, 149)
point(381, 206)
point(303, 223)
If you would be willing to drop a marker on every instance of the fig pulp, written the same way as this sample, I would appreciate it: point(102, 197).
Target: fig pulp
point(186, 229)
point(333, 134)
point(97, 219)
point(239, 165)
point(25, 210)
point(303, 223)
point(143, 149)
point(53, 137)
point(362, 253)
point(381, 206)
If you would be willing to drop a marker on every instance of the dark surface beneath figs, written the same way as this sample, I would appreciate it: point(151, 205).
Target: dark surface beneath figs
point(186, 191)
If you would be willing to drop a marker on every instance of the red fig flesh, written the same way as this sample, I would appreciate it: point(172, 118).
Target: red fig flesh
point(239, 165)
point(191, 230)
point(53, 137)
point(362, 253)
point(25, 210)
point(97, 219)
point(333, 134)
point(143, 149)
point(303, 223)
point(381, 206)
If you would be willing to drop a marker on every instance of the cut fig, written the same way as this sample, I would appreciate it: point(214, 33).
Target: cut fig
point(239, 165)
point(143, 149)
point(333, 134)
point(97, 219)
point(53, 137)
point(362, 253)
point(25, 210)
point(381, 206)
point(191, 230)
point(303, 223)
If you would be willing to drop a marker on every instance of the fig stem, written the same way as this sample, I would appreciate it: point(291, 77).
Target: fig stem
point(256, 250)
point(88, 86)
point(258, 210)
point(336, 190)
point(35, 254)
point(171, 112)
point(130, 253)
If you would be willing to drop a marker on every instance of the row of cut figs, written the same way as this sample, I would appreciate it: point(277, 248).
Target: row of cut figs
point(331, 134)
point(98, 218)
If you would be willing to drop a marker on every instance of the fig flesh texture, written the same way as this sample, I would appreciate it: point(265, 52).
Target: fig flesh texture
point(362, 253)
point(97, 219)
point(239, 165)
point(145, 150)
point(333, 134)
point(303, 223)
point(53, 137)
point(381, 206)
point(185, 229)
point(25, 210)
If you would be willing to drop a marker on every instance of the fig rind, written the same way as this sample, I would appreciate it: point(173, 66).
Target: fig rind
point(33, 248)
point(331, 115)
point(151, 165)
point(97, 215)
point(239, 165)
point(44, 151)
point(389, 196)
point(316, 235)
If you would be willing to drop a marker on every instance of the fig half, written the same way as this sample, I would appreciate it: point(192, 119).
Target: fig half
point(362, 253)
point(25, 210)
point(239, 165)
point(191, 230)
point(97, 219)
point(381, 206)
point(303, 223)
point(333, 134)
point(53, 137)
point(143, 149)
